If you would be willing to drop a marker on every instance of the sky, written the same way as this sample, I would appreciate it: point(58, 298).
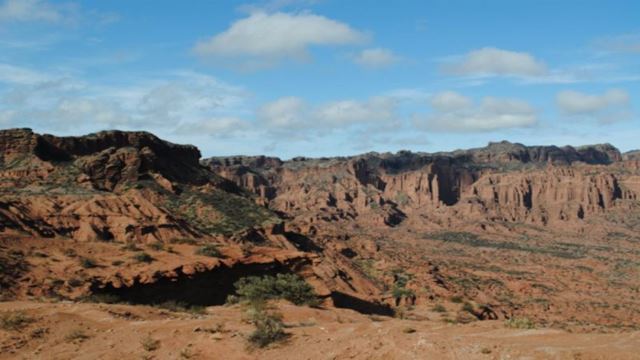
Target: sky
point(325, 77)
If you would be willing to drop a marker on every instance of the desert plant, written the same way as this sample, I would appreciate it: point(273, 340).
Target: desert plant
point(76, 335)
point(143, 257)
point(269, 328)
point(150, 344)
point(520, 323)
point(282, 286)
point(210, 250)
point(14, 320)
point(88, 263)
point(439, 308)
point(157, 246)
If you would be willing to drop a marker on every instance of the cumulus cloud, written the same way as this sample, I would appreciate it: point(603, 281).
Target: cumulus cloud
point(457, 113)
point(613, 105)
point(265, 39)
point(450, 101)
point(58, 102)
point(375, 58)
point(491, 61)
point(222, 127)
point(290, 114)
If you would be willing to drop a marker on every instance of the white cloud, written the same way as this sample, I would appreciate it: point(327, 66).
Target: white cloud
point(52, 101)
point(613, 105)
point(292, 114)
point(286, 113)
point(265, 39)
point(450, 101)
point(375, 58)
point(31, 10)
point(457, 113)
point(19, 75)
point(217, 127)
point(497, 62)
point(348, 112)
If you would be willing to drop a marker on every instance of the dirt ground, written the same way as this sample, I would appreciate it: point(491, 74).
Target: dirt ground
point(101, 331)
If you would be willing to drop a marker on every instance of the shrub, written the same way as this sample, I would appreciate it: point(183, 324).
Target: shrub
point(117, 262)
point(177, 306)
point(150, 344)
point(188, 241)
point(468, 307)
point(456, 299)
point(131, 247)
point(209, 250)
point(157, 246)
point(439, 308)
point(143, 257)
point(15, 320)
point(102, 298)
point(282, 286)
point(408, 330)
point(88, 263)
point(269, 328)
point(520, 323)
point(77, 334)
point(75, 282)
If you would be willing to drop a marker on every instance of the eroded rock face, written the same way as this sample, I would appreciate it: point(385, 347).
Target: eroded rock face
point(509, 181)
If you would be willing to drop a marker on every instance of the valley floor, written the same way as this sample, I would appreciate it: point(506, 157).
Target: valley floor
point(67, 330)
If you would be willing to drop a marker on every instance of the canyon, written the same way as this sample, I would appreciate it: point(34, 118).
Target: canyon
point(475, 237)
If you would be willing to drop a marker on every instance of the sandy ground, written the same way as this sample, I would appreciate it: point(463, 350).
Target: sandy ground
point(119, 332)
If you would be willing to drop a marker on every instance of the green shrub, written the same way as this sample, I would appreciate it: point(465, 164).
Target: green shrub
point(468, 307)
point(143, 257)
point(131, 247)
point(520, 323)
point(157, 246)
point(15, 320)
point(269, 328)
point(188, 241)
point(150, 344)
point(456, 299)
point(88, 263)
point(209, 250)
point(282, 286)
point(439, 308)
point(76, 335)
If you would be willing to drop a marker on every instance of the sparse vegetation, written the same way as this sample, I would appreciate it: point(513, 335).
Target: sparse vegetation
point(177, 306)
point(520, 323)
point(150, 344)
point(187, 241)
point(131, 247)
point(157, 246)
point(143, 257)
point(439, 308)
point(290, 287)
point(14, 320)
point(269, 328)
point(408, 330)
point(210, 250)
point(76, 335)
point(561, 250)
point(88, 263)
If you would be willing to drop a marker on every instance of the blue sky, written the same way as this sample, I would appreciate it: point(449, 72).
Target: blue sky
point(325, 77)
